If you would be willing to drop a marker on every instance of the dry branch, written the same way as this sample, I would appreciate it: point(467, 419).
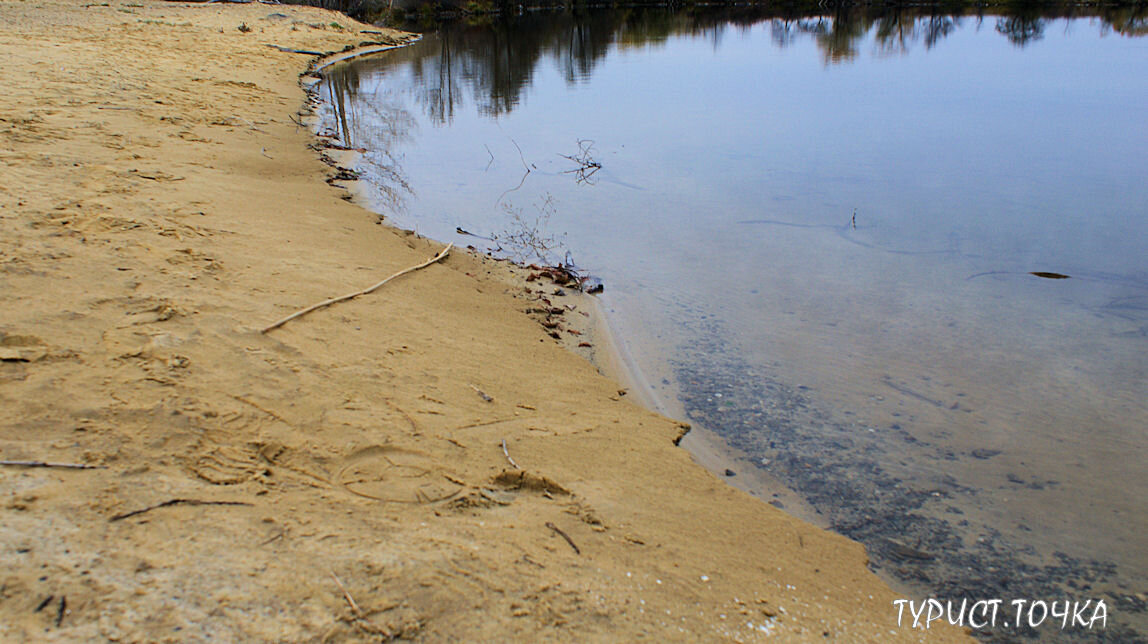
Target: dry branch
point(564, 536)
point(296, 51)
point(365, 291)
point(482, 394)
point(507, 453)
point(346, 595)
point(70, 466)
point(120, 517)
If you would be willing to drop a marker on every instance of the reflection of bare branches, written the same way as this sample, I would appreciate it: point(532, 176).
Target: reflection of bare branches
point(390, 126)
point(1127, 21)
point(839, 41)
point(391, 186)
point(1021, 30)
point(938, 27)
point(782, 32)
point(587, 166)
point(368, 121)
point(893, 35)
point(339, 87)
point(493, 67)
point(442, 94)
point(817, 27)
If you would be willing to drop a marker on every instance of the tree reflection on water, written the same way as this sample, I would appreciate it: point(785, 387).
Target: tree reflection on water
point(378, 132)
point(493, 63)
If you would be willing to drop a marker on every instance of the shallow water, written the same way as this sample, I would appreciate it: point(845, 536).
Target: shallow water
point(817, 236)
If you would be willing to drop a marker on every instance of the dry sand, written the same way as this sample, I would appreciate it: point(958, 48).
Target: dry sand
point(158, 205)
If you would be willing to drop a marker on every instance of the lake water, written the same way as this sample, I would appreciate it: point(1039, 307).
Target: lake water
point(818, 236)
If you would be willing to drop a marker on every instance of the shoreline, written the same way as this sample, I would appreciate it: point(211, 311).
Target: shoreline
point(420, 462)
point(613, 359)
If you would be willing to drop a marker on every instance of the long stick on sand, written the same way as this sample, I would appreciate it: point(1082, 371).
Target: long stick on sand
point(70, 466)
point(349, 296)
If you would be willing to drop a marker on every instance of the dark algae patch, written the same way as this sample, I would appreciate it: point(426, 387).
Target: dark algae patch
point(916, 532)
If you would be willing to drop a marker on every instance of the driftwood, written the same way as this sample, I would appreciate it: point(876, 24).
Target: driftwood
point(70, 466)
point(360, 616)
point(346, 595)
point(350, 296)
point(507, 453)
point(359, 53)
point(564, 536)
point(297, 51)
point(120, 517)
point(223, 1)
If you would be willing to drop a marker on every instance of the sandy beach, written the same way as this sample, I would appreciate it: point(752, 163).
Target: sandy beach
point(424, 461)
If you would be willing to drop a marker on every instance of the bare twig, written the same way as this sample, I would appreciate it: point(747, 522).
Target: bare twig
point(61, 611)
point(296, 51)
point(70, 466)
point(484, 423)
point(564, 536)
point(349, 296)
point(120, 517)
point(587, 166)
point(520, 183)
point(359, 53)
point(262, 409)
point(41, 605)
point(528, 168)
point(525, 239)
point(521, 156)
point(346, 595)
point(482, 394)
point(507, 453)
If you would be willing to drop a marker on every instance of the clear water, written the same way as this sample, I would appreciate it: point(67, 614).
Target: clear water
point(817, 236)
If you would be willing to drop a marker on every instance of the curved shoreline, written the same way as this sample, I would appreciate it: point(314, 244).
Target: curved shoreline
point(613, 358)
point(340, 477)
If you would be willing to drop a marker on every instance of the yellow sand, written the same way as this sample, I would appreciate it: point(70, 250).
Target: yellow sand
point(158, 205)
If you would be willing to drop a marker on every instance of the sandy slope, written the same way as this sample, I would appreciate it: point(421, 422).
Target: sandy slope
point(157, 206)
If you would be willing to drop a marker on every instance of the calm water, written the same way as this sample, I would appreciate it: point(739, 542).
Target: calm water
point(816, 236)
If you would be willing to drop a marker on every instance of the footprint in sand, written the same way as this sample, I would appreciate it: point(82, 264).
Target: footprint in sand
point(396, 475)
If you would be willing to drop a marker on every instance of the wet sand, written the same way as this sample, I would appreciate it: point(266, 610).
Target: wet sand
point(425, 461)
